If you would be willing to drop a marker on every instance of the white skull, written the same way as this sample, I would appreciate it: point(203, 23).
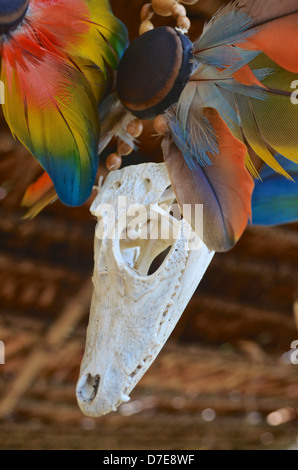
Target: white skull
point(133, 312)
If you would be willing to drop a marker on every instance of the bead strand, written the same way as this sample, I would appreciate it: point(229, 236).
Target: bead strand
point(114, 160)
point(172, 8)
point(165, 8)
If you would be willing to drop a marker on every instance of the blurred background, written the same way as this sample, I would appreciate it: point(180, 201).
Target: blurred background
point(224, 380)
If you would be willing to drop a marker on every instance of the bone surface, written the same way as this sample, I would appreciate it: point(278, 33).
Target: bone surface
point(148, 263)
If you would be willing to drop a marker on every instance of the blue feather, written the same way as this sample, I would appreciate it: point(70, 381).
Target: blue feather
point(275, 199)
point(195, 152)
point(253, 91)
point(262, 74)
point(225, 28)
point(213, 98)
point(226, 56)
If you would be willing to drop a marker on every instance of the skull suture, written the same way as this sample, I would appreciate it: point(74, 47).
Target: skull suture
point(134, 310)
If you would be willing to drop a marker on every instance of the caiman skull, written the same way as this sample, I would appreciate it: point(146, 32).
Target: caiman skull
point(135, 304)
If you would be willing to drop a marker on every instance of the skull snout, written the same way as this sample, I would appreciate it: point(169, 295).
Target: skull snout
point(102, 390)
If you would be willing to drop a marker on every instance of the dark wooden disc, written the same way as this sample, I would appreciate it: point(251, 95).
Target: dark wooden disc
point(154, 71)
point(12, 13)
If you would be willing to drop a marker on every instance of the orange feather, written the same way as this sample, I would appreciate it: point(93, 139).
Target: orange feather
point(224, 188)
point(276, 25)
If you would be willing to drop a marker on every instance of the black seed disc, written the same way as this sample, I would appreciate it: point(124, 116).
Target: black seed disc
point(154, 71)
point(12, 13)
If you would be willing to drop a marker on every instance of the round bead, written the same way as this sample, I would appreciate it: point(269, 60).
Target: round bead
point(189, 2)
point(178, 10)
point(113, 161)
point(183, 22)
point(163, 7)
point(135, 128)
point(123, 148)
point(146, 12)
point(145, 26)
point(160, 125)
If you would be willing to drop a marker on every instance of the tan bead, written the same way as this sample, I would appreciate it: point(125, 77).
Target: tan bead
point(146, 12)
point(189, 2)
point(163, 7)
point(113, 161)
point(178, 10)
point(183, 22)
point(135, 128)
point(145, 26)
point(160, 125)
point(123, 148)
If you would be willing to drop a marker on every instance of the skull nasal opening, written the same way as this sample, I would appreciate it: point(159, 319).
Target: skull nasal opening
point(88, 387)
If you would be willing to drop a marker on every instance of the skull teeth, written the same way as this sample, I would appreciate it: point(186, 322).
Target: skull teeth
point(125, 398)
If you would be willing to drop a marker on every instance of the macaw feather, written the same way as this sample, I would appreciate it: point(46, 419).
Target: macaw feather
point(225, 56)
point(275, 199)
point(255, 97)
point(186, 101)
point(224, 188)
point(98, 80)
point(213, 98)
point(197, 147)
point(251, 98)
point(277, 117)
point(55, 68)
point(59, 123)
point(105, 34)
point(207, 88)
point(191, 130)
point(228, 26)
point(254, 137)
point(275, 23)
point(38, 195)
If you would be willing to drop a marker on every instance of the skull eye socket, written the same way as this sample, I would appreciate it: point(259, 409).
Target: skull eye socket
point(145, 246)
